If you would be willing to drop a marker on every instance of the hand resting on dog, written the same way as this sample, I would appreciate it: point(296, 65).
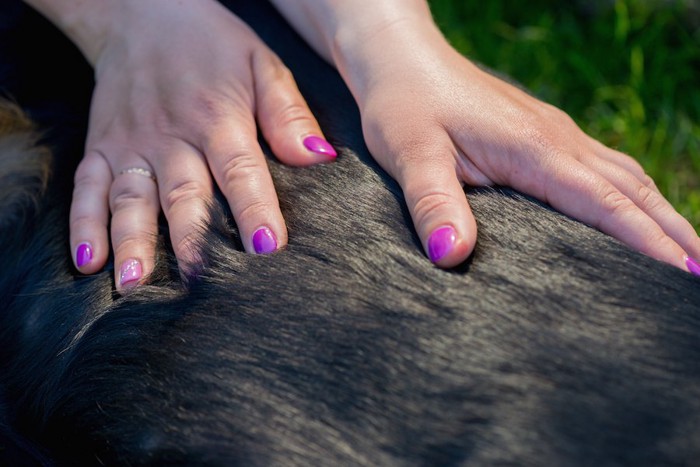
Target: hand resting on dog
point(180, 87)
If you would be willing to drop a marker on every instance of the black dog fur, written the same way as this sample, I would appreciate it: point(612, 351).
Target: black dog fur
point(552, 345)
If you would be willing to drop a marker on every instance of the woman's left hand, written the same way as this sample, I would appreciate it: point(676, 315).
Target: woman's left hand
point(435, 121)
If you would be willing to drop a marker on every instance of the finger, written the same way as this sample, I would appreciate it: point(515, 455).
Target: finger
point(651, 202)
point(284, 117)
point(240, 169)
point(623, 160)
point(89, 213)
point(134, 204)
point(438, 206)
point(587, 196)
point(185, 190)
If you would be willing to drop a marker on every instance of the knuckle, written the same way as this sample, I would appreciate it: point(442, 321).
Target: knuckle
point(614, 203)
point(417, 155)
point(82, 175)
point(554, 116)
point(211, 110)
point(240, 166)
point(252, 210)
point(83, 222)
point(648, 181)
point(131, 241)
point(632, 162)
point(208, 108)
point(656, 240)
point(281, 72)
point(85, 172)
point(562, 117)
point(292, 113)
point(648, 197)
point(406, 135)
point(182, 193)
point(264, 58)
point(633, 166)
point(551, 134)
point(86, 189)
point(428, 204)
point(186, 245)
point(127, 197)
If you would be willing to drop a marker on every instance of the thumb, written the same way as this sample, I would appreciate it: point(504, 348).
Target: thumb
point(439, 208)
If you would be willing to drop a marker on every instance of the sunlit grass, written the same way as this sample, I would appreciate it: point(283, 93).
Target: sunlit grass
point(625, 70)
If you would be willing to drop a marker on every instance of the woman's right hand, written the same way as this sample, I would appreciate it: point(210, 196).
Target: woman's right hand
point(179, 87)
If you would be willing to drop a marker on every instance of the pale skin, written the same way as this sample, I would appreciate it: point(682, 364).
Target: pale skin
point(184, 109)
point(190, 118)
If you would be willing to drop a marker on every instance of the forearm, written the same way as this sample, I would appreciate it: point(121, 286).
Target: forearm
point(358, 36)
point(85, 22)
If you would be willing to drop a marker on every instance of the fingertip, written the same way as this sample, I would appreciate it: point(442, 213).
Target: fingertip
point(130, 274)
point(447, 248)
point(83, 257)
point(320, 147)
point(89, 256)
point(301, 151)
point(264, 241)
point(266, 237)
point(189, 259)
point(692, 265)
point(691, 243)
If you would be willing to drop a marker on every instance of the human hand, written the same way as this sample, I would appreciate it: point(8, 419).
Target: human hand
point(178, 88)
point(460, 125)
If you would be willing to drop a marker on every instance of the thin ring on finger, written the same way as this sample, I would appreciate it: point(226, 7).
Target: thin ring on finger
point(134, 206)
point(139, 171)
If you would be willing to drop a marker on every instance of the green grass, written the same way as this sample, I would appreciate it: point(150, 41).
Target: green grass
point(626, 72)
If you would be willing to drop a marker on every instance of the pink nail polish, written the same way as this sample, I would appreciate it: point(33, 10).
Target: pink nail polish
point(83, 254)
point(319, 146)
point(130, 272)
point(693, 266)
point(264, 241)
point(441, 242)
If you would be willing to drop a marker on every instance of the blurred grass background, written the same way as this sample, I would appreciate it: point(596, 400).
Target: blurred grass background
point(626, 70)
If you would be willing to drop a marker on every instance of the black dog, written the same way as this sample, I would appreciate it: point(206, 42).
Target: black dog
point(553, 345)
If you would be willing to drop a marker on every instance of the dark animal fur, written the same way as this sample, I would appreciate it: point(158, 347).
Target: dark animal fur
point(553, 345)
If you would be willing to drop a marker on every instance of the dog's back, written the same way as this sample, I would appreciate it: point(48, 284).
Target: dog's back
point(553, 345)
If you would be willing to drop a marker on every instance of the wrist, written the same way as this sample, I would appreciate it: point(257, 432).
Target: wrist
point(84, 22)
point(384, 49)
point(356, 36)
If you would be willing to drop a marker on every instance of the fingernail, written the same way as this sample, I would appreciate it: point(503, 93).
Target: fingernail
point(264, 241)
point(693, 266)
point(319, 146)
point(83, 254)
point(130, 272)
point(441, 242)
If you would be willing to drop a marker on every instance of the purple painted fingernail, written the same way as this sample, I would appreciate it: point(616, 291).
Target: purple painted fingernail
point(319, 146)
point(693, 266)
point(83, 254)
point(441, 242)
point(130, 272)
point(264, 241)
